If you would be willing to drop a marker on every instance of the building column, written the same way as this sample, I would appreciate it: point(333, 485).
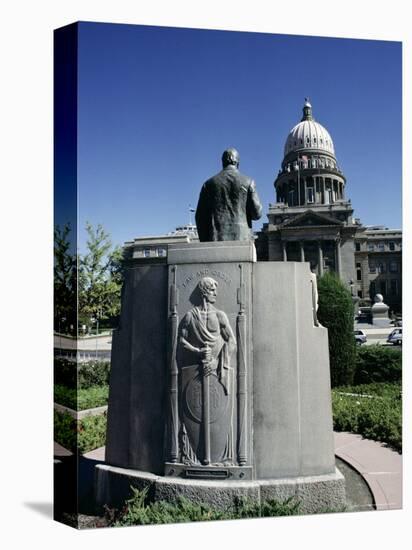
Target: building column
point(302, 252)
point(337, 256)
point(320, 259)
point(305, 190)
point(298, 186)
point(322, 190)
point(285, 254)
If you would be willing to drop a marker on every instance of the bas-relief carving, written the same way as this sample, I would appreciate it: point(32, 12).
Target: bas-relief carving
point(315, 298)
point(205, 344)
point(208, 389)
point(206, 272)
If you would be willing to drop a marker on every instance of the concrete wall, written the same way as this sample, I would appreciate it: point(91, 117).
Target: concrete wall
point(291, 395)
point(138, 385)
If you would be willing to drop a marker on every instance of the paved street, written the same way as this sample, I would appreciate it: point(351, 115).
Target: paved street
point(374, 335)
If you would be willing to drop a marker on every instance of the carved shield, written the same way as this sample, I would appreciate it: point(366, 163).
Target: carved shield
point(220, 414)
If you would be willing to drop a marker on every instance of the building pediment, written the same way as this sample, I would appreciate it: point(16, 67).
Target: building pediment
point(310, 219)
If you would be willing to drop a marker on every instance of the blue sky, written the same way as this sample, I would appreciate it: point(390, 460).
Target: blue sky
point(157, 107)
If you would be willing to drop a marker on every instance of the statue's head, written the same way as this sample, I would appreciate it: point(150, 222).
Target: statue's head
point(208, 289)
point(230, 157)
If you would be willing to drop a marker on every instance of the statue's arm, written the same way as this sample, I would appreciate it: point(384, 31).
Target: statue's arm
point(204, 352)
point(202, 214)
point(253, 206)
point(184, 335)
point(226, 330)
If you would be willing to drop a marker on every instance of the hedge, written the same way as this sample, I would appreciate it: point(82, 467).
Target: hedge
point(378, 417)
point(83, 435)
point(81, 399)
point(335, 312)
point(82, 375)
point(378, 364)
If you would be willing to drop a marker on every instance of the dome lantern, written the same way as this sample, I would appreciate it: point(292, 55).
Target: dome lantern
point(307, 110)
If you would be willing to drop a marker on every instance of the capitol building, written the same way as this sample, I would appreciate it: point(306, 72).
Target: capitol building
point(313, 220)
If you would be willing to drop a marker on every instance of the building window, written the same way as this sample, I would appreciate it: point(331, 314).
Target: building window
point(311, 195)
point(146, 252)
point(394, 287)
point(371, 247)
point(358, 274)
point(372, 267)
point(357, 247)
point(381, 247)
point(381, 267)
point(391, 247)
point(161, 252)
point(360, 294)
point(393, 267)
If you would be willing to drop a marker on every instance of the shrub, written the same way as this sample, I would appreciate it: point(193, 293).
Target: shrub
point(93, 373)
point(335, 312)
point(65, 372)
point(378, 364)
point(82, 399)
point(92, 433)
point(83, 435)
point(83, 375)
point(378, 418)
point(65, 430)
point(139, 511)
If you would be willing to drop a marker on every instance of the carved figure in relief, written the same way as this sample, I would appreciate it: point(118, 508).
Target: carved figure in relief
point(205, 344)
point(315, 299)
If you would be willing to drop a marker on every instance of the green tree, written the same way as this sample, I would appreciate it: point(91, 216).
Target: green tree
point(335, 312)
point(65, 279)
point(100, 277)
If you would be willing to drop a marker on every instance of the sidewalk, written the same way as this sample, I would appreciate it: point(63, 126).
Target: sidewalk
point(380, 467)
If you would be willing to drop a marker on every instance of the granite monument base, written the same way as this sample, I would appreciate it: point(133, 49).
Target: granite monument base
point(220, 383)
point(315, 494)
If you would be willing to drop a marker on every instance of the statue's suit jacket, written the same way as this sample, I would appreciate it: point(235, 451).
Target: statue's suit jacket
point(228, 203)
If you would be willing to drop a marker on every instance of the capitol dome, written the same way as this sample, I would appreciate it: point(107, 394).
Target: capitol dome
point(308, 135)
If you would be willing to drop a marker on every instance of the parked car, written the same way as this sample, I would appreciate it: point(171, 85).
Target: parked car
point(395, 337)
point(360, 337)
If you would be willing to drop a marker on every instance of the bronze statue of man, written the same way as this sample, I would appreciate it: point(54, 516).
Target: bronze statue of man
point(228, 203)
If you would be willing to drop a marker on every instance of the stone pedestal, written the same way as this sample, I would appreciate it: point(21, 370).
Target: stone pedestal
point(380, 312)
point(254, 418)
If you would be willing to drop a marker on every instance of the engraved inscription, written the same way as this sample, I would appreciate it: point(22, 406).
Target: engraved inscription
point(201, 273)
